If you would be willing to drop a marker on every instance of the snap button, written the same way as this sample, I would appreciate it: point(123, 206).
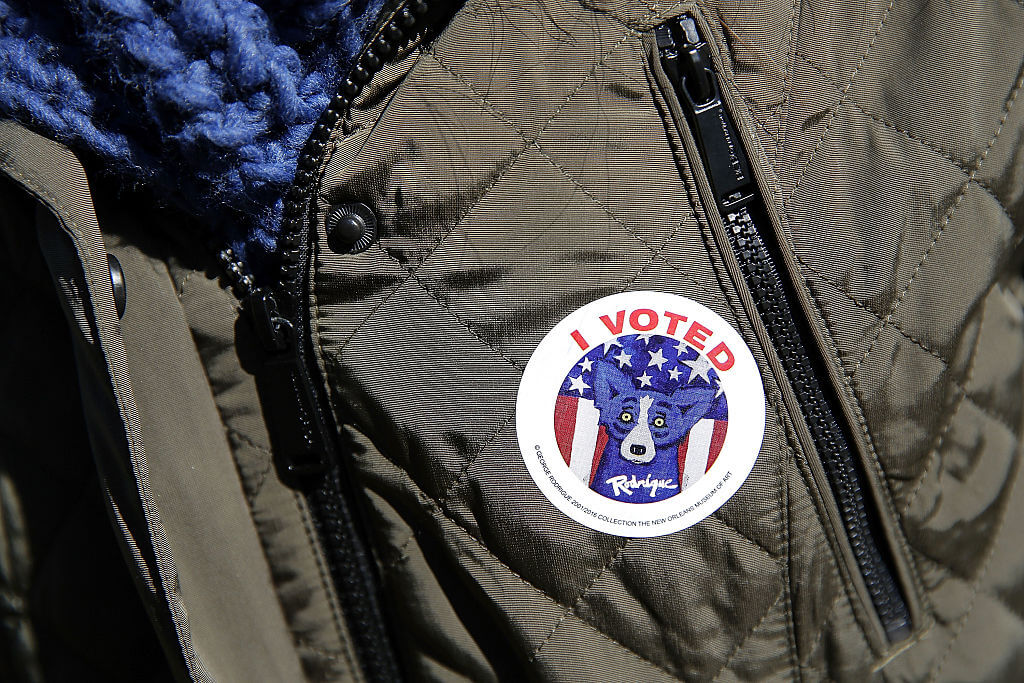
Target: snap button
point(117, 284)
point(351, 228)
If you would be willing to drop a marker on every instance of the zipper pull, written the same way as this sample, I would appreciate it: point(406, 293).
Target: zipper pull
point(298, 433)
point(686, 59)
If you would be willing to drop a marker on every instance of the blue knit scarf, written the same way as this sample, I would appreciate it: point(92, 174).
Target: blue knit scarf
point(208, 102)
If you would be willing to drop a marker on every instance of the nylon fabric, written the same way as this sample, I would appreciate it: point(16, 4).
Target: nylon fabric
point(244, 570)
point(913, 266)
point(513, 192)
point(520, 166)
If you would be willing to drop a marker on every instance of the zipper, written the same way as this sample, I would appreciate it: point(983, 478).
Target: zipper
point(686, 60)
point(276, 347)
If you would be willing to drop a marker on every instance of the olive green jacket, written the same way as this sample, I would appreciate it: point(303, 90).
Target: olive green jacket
point(523, 160)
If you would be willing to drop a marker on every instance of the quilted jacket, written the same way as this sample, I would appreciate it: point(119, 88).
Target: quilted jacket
point(504, 164)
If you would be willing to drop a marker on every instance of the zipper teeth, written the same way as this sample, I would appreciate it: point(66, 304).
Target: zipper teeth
point(738, 200)
point(395, 28)
point(837, 459)
point(398, 27)
point(347, 557)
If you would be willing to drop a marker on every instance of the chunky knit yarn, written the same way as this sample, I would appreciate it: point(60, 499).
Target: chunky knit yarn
point(208, 102)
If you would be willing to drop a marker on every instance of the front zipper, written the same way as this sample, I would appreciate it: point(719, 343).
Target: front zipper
point(305, 439)
point(686, 60)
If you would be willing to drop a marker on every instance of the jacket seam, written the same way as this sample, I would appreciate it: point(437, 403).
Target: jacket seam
point(874, 461)
point(336, 616)
point(787, 452)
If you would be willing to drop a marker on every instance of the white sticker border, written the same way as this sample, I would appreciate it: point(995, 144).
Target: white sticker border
point(555, 356)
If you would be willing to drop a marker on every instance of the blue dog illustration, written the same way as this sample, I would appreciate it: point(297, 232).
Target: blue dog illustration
point(640, 463)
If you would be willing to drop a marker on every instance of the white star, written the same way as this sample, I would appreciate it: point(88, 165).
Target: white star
point(682, 348)
point(657, 359)
point(674, 373)
point(645, 379)
point(645, 337)
point(577, 384)
point(699, 367)
point(623, 359)
point(609, 344)
point(586, 365)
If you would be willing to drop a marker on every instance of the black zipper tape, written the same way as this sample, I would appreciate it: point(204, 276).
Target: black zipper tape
point(686, 59)
point(275, 341)
point(306, 446)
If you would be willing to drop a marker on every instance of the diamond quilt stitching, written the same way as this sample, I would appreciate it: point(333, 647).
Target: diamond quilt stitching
point(959, 401)
point(739, 645)
point(529, 143)
point(863, 306)
point(490, 107)
point(443, 498)
point(842, 100)
point(534, 141)
point(1007, 108)
point(463, 323)
point(959, 163)
point(948, 573)
point(987, 410)
point(469, 535)
point(998, 419)
point(579, 600)
point(778, 562)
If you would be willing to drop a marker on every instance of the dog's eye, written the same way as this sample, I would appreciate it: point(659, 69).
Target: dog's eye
point(659, 421)
point(626, 417)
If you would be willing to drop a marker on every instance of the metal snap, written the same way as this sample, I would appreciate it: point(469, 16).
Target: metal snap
point(117, 284)
point(351, 228)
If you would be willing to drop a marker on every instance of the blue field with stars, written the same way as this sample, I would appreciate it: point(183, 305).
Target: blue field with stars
point(661, 363)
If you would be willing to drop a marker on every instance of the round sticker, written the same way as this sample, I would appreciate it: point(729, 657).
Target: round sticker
point(640, 414)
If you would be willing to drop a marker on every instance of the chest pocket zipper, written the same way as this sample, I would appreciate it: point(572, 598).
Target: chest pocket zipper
point(685, 58)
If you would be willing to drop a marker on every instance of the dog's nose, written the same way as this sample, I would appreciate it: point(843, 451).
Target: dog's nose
point(637, 449)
